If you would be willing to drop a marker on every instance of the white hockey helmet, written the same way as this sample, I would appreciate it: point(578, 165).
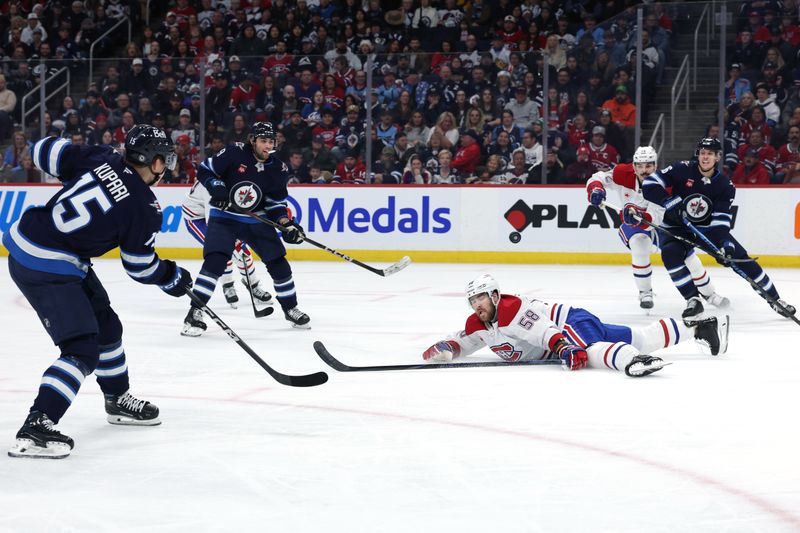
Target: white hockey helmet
point(645, 154)
point(484, 283)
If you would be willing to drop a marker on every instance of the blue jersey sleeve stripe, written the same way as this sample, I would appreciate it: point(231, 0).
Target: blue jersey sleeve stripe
point(42, 146)
point(653, 179)
point(143, 275)
point(137, 259)
point(56, 150)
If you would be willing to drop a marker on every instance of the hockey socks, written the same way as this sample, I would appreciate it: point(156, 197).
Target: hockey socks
point(112, 369)
point(60, 384)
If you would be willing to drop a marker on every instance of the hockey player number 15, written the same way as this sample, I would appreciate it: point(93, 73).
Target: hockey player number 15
point(79, 201)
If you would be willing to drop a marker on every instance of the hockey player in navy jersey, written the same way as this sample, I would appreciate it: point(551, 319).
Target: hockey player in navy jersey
point(696, 190)
point(523, 328)
point(105, 203)
point(245, 177)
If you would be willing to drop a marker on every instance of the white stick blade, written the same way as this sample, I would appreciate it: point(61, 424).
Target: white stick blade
point(397, 267)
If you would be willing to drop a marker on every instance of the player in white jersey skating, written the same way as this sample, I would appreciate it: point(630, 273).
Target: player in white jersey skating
point(194, 211)
point(642, 240)
point(519, 328)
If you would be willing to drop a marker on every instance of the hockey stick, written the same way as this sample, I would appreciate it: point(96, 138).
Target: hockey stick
point(756, 287)
point(308, 380)
point(690, 242)
point(334, 363)
point(263, 312)
point(388, 271)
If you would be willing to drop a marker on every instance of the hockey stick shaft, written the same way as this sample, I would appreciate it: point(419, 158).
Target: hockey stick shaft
point(334, 363)
point(756, 287)
point(381, 272)
point(309, 380)
point(258, 314)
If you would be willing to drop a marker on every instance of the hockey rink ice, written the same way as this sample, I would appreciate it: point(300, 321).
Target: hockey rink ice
point(707, 444)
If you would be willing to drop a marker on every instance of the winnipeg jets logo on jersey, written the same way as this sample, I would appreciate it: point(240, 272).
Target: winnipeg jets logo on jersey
point(506, 351)
point(260, 166)
point(698, 207)
point(246, 195)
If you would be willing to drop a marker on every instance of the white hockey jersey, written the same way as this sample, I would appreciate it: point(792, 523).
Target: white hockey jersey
point(194, 205)
point(622, 179)
point(526, 329)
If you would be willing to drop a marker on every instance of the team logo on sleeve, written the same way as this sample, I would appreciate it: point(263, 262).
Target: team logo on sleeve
point(246, 195)
point(698, 208)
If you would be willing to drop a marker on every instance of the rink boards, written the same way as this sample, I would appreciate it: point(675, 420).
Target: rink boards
point(499, 224)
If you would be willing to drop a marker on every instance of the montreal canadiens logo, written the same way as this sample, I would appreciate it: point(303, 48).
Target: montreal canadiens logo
point(507, 352)
point(698, 207)
point(246, 195)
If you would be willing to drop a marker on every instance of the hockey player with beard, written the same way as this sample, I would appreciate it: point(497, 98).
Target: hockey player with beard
point(641, 239)
point(245, 177)
point(106, 202)
point(698, 192)
point(195, 208)
point(520, 328)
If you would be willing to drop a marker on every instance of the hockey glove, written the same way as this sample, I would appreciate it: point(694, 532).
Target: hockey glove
point(442, 351)
point(292, 232)
point(673, 213)
point(726, 251)
point(219, 194)
point(633, 215)
point(572, 357)
point(178, 280)
point(597, 195)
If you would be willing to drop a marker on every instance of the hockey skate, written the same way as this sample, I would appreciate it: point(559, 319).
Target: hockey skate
point(261, 296)
point(229, 291)
point(127, 410)
point(298, 318)
point(39, 440)
point(193, 325)
point(711, 333)
point(646, 299)
point(720, 302)
point(787, 311)
point(694, 310)
point(642, 365)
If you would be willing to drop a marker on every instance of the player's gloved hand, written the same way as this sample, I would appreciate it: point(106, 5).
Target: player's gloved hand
point(572, 357)
point(633, 215)
point(442, 351)
point(673, 211)
point(292, 232)
point(219, 194)
point(177, 281)
point(726, 250)
point(597, 195)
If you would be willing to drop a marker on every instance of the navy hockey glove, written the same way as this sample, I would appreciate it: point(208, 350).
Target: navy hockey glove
point(673, 211)
point(219, 194)
point(177, 281)
point(726, 251)
point(292, 232)
point(597, 195)
point(572, 357)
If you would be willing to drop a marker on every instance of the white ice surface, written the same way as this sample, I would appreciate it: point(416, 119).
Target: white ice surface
point(707, 444)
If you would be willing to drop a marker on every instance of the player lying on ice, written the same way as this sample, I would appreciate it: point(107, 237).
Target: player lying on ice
point(520, 328)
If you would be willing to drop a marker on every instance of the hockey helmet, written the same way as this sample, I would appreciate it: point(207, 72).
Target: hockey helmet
point(645, 154)
point(144, 143)
point(708, 143)
point(263, 130)
point(484, 283)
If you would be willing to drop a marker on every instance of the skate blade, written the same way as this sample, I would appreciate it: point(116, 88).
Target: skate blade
point(301, 326)
point(646, 371)
point(25, 448)
point(119, 420)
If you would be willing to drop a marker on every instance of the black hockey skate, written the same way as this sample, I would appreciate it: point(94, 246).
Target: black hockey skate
point(784, 309)
point(127, 410)
point(193, 325)
point(711, 333)
point(720, 302)
point(298, 318)
point(642, 365)
point(38, 439)
point(694, 310)
point(646, 299)
point(229, 291)
point(261, 296)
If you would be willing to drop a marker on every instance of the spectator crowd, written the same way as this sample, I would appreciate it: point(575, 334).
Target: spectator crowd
point(456, 85)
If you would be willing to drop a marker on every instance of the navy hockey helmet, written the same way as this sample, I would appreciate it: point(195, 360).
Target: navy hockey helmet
point(144, 143)
point(708, 143)
point(263, 130)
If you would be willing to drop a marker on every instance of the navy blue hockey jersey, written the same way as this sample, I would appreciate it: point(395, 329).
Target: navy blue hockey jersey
point(103, 204)
point(707, 201)
point(253, 186)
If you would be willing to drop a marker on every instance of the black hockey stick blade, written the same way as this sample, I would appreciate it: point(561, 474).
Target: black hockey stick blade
point(334, 363)
point(261, 313)
point(308, 380)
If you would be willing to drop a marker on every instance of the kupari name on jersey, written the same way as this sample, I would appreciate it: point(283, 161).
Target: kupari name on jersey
point(108, 177)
